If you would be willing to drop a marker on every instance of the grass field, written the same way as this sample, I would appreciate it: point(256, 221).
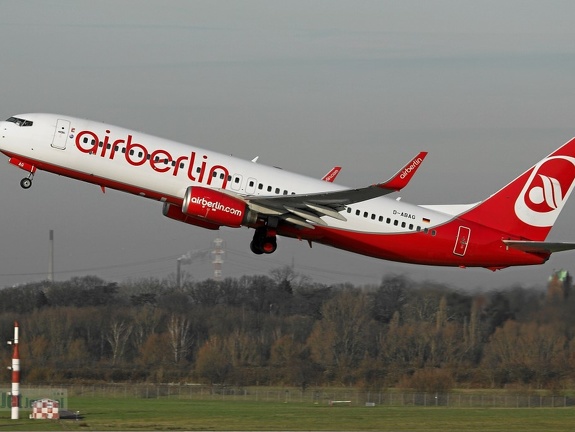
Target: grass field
point(177, 414)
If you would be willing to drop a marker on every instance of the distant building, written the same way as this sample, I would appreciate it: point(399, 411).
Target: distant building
point(559, 285)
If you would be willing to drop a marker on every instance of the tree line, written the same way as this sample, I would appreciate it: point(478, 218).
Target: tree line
point(285, 329)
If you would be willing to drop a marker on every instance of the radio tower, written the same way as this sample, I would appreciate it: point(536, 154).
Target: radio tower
point(218, 253)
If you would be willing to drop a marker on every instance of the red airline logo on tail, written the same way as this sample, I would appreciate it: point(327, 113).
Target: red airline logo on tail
point(546, 191)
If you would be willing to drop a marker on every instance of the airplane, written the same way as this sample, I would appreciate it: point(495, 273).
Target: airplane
point(211, 190)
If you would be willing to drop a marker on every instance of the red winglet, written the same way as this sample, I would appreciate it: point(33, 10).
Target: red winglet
point(404, 175)
point(330, 176)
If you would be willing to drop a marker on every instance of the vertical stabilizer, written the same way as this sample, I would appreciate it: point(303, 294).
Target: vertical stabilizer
point(528, 207)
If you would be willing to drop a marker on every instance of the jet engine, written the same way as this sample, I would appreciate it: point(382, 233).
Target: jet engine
point(174, 212)
point(216, 208)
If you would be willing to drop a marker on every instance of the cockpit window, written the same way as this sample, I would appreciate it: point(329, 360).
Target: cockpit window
point(20, 122)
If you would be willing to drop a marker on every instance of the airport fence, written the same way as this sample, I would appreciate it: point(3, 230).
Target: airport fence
point(334, 397)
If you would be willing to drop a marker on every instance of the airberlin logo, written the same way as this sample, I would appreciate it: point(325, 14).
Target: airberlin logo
point(546, 191)
point(215, 206)
point(160, 160)
point(410, 168)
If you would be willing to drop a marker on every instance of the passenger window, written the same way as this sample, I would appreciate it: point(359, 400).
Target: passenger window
point(357, 212)
point(403, 224)
point(277, 190)
point(388, 221)
point(395, 222)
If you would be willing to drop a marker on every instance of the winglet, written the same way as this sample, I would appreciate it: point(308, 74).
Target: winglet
point(330, 176)
point(404, 175)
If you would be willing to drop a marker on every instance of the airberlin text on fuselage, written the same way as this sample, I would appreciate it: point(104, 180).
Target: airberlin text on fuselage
point(160, 160)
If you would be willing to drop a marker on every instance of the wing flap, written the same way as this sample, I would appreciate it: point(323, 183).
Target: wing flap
point(326, 211)
point(307, 216)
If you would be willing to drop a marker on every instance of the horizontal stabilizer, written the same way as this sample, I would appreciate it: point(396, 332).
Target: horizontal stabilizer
point(539, 247)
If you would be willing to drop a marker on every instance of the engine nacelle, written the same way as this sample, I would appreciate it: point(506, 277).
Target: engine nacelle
point(216, 207)
point(174, 212)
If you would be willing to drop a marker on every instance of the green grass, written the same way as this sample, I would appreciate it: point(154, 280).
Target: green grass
point(178, 414)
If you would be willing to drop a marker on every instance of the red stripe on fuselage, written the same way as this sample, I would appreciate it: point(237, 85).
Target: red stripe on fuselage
point(485, 249)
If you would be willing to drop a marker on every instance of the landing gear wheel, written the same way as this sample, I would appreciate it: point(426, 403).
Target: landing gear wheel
point(255, 248)
point(264, 241)
point(26, 183)
point(269, 245)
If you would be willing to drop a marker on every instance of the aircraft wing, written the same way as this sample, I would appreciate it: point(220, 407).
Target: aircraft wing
point(539, 247)
point(307, 209)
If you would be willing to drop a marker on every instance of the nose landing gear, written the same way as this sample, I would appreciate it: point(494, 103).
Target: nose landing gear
point(264, 241)
point(26, 166)
point(26, 182)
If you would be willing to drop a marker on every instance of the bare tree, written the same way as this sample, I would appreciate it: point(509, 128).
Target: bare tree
point(180, 339)
point(338, 341)
point(390, 297)
point(117, 337)
point(213, 362)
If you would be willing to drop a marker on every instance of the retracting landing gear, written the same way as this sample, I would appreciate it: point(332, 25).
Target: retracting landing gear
point(265, 241)
point(26, 182)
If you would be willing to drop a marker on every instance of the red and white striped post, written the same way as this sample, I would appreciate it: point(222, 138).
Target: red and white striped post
point(15, 375)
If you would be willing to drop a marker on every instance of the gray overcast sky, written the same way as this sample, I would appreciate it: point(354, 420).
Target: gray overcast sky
point(486, 87)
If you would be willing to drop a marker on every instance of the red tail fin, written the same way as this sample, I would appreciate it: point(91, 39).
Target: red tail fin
point(528, 206)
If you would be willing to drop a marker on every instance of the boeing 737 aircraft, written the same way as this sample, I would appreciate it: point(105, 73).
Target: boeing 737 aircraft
point(211, 190)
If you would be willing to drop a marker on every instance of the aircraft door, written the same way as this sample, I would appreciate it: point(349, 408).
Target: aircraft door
point(237, 182)
point(61, 134)
point(251, 186)
point(462, 241)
